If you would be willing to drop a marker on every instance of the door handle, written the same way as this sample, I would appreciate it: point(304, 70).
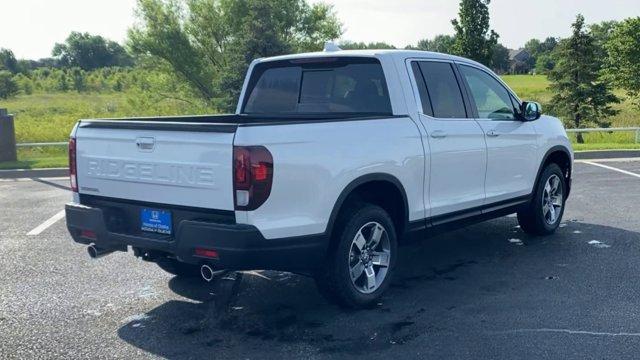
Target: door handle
point(493, 133)
point(438, 134)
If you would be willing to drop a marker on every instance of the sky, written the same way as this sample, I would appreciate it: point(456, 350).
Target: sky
point(30, 28)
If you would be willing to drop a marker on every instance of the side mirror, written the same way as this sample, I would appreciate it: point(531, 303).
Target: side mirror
point(531, 110)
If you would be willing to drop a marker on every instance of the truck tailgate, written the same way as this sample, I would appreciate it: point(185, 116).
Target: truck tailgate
point(173, 164)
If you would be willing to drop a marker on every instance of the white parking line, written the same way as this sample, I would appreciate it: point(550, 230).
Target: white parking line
point(612, 168)
point(42, 227)
point(609, 160)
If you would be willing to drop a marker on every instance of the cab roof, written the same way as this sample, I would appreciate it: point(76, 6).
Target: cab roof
point(396, 54)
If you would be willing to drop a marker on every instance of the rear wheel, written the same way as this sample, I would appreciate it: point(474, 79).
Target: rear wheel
point(544, 213)
point(175, 267)
point(360, 264)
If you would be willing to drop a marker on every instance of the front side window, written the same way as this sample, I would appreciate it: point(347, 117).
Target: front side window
point(443, 90)
point(491, 99)
point(318, 86)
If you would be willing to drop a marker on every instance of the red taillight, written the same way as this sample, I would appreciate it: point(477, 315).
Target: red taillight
point(260, 172)
point(241, 168)
point(88, 234)
point(73, 169)
point(252, 176)
point(208, 253)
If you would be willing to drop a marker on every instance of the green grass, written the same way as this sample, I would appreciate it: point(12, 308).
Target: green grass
point(605, 146)
point(35, 163)
point(529, 87)
point(535, 88)
point(39, 157)
point(48, 117)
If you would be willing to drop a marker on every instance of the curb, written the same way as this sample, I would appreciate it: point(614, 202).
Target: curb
point(606, 154)
point(33, 173)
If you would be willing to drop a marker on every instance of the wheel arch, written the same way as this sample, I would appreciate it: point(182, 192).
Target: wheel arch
point(560, 155)
point(358, 187)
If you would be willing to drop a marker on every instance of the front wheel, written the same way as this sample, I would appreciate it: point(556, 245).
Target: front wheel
point(543, 215)
point(359, 267)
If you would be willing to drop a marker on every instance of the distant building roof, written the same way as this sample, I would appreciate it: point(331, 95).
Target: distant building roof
point(519, 55)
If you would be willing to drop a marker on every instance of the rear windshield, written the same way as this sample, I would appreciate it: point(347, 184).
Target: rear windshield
point(350, 86)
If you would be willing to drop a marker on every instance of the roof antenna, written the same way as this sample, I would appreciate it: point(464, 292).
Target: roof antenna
point(330, 46)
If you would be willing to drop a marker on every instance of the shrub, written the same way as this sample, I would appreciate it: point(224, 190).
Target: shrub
point(8, 86)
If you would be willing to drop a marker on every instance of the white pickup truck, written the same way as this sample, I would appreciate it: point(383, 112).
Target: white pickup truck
point(331, 160)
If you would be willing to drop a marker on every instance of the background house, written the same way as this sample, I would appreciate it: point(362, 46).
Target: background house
point(521, 61)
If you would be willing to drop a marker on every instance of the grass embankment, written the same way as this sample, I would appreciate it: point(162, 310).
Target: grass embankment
point(38, 158)
point(49, 117)
point(535, 87)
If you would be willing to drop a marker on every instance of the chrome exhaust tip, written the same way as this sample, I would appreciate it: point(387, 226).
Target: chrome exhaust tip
point(97, 252)
point(207, 273)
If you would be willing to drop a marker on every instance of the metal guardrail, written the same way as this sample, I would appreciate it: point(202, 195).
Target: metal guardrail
point(586, 130)
point(64, 143)
point(590, 130)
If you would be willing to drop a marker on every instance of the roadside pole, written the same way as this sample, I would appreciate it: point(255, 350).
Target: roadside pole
point(7, 137)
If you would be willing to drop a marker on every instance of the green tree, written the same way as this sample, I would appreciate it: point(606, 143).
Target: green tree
point(623, 62)
point(541, 58)
point(90, 52)
point(500, 61)
point(8, 61)
point(8, 87)
point(79, 79)
point(209, 44)
point(25, 84)
point(601, 34)
point(544, 63)
point(440, 43)
point(540, 52)
point(350, 45)
point(549, 44)
point(534, 48)
point(473, 38)
point(581, 95)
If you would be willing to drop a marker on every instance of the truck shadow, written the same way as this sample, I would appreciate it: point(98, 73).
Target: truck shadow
point(268, 314)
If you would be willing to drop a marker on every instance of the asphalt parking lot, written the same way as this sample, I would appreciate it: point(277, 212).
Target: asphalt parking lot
point(487, 291)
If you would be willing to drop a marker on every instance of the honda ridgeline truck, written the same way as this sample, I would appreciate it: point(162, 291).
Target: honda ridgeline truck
point(330, 161)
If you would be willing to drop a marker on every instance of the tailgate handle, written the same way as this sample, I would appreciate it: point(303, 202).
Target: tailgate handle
point(145, 143)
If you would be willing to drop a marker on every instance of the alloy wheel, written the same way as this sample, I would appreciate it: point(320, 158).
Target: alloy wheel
point(369, 257)
point(552, 200)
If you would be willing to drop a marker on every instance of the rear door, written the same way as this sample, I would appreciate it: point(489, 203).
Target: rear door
point(456, 141)
point(511, 143)
point(158, 162)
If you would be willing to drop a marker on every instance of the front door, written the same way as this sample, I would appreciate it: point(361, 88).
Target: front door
point(511, 143)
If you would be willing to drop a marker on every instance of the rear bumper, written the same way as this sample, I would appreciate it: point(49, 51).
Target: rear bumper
point(239, 246)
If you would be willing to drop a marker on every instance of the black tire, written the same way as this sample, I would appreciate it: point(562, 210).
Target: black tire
point(177, 268)
point(532, 218)
point(334, 279)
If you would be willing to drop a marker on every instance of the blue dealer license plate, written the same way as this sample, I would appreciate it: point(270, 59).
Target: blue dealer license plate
point(153, 220)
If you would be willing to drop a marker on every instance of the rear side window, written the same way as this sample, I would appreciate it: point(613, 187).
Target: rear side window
point(422, 89)
point(318, 86)
point(443, 90)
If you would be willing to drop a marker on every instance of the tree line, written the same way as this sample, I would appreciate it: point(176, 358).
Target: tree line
point(199, 51)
